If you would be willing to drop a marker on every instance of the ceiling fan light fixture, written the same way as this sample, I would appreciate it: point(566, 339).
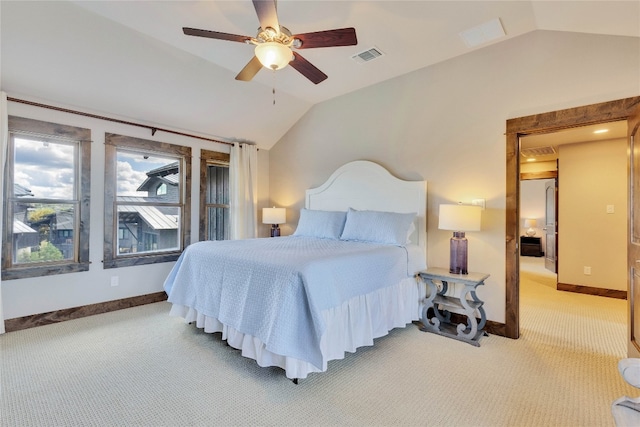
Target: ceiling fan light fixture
point(273, 55)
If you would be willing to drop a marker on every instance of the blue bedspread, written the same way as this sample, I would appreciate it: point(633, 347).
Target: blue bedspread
point(276, 288)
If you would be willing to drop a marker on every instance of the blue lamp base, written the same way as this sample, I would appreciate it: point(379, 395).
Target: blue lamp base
point(458, 253)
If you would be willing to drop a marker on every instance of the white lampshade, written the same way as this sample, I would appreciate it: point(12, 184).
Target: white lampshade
point(460, 217)
point(273, 55)
point(529, 224)
point(274, 215)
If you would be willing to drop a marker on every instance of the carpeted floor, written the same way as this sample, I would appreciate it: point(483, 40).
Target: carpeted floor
point(141, 367)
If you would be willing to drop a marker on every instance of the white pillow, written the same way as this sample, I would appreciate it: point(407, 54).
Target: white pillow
point(322, 224)
point(377, 227)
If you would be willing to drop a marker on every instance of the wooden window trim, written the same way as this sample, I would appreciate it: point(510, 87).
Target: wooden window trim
point(112, 143)
point(83, 136)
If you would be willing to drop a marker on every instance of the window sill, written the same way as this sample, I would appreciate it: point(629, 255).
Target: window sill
point(48, 270)
point(140, 260)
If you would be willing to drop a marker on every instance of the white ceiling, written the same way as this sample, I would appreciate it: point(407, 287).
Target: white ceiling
point(591, 133)
point(411, 34)
point(112, 40)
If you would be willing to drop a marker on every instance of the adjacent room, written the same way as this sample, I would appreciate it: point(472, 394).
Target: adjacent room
point(135, 134)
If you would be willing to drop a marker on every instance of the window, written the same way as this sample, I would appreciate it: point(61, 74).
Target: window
point(161, 190)
point(214, 195)
point(147, 201)
point(47, 188)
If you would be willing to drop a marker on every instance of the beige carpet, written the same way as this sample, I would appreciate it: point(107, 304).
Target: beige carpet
point(141, 367)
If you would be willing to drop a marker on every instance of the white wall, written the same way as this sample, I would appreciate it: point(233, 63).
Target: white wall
point(592, 176)
point(446, 124)
point(25, 297)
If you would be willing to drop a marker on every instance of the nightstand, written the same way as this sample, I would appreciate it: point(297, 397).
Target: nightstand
point(438, 306)
point(531, 246)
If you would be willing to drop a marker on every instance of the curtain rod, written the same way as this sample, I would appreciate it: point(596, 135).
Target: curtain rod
point(153, 129)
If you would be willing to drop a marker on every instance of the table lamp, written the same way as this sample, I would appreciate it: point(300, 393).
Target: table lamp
point(529, 223)
point(275, 217)
point(459, 218)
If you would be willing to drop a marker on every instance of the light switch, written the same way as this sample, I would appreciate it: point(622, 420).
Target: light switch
point(610, 209)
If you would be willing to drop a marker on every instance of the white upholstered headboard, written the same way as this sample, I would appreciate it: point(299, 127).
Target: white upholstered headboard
point(365, 185)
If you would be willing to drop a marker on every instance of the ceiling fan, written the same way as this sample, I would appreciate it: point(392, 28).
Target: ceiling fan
point(273, 44)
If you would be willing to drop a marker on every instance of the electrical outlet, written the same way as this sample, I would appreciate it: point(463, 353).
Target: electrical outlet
point(587, 271)
point(114, 281)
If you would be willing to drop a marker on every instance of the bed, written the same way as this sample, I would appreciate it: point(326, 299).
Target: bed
point(345, 277)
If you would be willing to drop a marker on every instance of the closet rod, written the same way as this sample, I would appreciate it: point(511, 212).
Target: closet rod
point(110, 119)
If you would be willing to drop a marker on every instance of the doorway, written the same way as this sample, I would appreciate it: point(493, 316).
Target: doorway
point(538, 260)
point(538, 215)
point(531, 125)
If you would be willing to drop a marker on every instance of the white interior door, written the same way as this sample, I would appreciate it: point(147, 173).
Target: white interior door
point(551, 226)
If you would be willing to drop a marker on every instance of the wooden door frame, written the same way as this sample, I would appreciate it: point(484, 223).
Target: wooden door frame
point(633, 349)
point(529, 125)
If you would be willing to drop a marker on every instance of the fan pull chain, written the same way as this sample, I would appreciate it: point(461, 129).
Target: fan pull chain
point(274, 87)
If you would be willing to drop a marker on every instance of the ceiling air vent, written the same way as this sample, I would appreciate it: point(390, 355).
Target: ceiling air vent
point(367, 55)
point(537, 151)
point(483, 33)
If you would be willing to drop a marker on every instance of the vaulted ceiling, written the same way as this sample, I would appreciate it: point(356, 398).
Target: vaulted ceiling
point(131, 58)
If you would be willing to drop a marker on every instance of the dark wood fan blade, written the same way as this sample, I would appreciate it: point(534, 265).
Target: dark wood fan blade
point(267, 14)
point(307, 69)
point(215, 35)
point(249, 70)
point(329, 38)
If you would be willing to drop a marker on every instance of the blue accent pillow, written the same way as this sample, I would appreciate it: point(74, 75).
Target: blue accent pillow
point(321, 224)
point(377, 227)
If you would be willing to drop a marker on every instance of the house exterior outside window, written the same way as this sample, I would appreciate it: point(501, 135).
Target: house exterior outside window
point(214, 195)
point(47, 190)
point(147, 201)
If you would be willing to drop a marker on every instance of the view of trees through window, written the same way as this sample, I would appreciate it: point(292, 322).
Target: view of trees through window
point(44, 200)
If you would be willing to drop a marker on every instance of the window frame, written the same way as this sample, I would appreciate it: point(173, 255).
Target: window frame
point(82, 174)
point(208, 158)
point(113, 142)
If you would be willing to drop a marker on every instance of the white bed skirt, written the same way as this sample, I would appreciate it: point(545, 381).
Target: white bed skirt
point(356, 323)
